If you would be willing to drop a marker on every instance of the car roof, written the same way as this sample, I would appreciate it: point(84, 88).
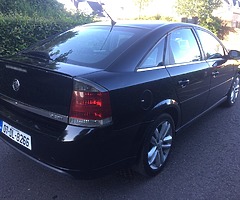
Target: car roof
point(143, 24)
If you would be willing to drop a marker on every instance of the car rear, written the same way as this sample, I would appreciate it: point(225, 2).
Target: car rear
point(51, 112)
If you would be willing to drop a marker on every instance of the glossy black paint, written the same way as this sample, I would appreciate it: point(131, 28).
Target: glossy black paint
point(185, 91)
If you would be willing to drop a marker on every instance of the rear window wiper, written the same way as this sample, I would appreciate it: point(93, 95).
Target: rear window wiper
point(38, 54)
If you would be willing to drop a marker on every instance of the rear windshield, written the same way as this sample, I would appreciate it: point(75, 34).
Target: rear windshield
point(93, 46)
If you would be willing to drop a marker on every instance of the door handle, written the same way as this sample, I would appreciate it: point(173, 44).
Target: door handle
point(215, 73)
point(183, 83)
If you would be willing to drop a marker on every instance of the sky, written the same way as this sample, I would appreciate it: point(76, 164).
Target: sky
point(127, 9)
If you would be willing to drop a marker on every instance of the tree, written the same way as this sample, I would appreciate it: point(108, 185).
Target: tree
point(202, 9)
point(141, 5)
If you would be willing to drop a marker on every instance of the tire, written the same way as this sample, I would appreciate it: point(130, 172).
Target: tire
point(156, 146)
point(233, 92)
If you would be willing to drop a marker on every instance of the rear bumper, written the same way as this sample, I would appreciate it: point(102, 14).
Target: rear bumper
point(75, 173)
point(81, 152)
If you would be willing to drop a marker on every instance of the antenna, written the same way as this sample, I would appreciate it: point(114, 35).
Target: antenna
point(112, 21)
point(112, 24)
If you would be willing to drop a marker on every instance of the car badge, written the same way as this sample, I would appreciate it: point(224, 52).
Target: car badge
point(16, 85)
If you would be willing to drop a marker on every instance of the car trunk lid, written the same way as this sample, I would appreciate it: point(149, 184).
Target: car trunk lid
point(39, 86)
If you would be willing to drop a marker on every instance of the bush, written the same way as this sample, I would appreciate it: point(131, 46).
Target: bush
point(24, 22)
point(157, 17)
point(18, 32)
point(40, 8)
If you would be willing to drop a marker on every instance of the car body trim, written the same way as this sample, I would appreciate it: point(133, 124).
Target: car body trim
point(150, 68)
point(38, 111)
point(185, 63)
point(16, 68)
point(171, 65)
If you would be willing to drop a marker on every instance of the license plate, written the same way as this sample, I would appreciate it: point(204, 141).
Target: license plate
point(16, 135)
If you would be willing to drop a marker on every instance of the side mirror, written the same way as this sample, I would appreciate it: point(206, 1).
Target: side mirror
point(234, 54)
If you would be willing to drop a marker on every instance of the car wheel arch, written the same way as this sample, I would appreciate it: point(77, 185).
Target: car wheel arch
point(168, 106)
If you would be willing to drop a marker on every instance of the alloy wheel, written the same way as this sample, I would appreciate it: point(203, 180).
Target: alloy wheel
point(160, 145)
point(235, 90)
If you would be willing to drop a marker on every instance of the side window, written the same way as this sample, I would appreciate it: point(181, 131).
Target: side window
point(155, 57)
point(211, 47)
point(183, 47)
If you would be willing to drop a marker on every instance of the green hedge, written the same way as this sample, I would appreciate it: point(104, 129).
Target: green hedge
point(157, 17)
point(18, 32)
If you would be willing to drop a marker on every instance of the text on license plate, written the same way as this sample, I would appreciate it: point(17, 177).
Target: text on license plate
point(16, 135)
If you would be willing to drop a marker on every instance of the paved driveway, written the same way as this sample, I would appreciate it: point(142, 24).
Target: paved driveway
point(205, 164)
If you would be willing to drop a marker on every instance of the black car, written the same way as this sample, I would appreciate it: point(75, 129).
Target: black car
point(102, 97)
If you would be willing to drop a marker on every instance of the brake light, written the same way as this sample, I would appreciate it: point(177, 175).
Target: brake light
point(90, 106)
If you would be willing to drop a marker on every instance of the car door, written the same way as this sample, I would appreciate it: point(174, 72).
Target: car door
point(221, 69)
point(189, 72)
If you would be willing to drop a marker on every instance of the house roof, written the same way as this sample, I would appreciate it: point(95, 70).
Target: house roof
point(97, 8)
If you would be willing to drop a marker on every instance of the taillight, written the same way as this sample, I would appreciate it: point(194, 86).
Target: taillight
point(90, 105)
